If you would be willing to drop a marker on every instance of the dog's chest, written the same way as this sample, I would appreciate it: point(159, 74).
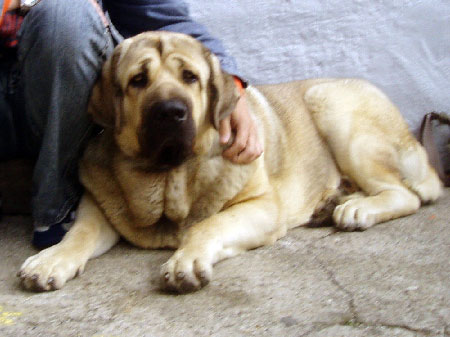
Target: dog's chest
point(187, 194)
point(202, 187)
point(142, 193)
point(150, 196)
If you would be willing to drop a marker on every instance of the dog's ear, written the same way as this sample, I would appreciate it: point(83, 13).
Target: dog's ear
point(106, 96)
point(223, 93)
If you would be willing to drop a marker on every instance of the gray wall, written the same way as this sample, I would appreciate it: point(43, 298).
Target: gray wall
point(401, 46)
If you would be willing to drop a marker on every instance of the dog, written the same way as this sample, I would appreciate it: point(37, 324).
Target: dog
point(157, 178)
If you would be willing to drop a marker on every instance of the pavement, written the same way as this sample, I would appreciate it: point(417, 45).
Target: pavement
point(391, 280)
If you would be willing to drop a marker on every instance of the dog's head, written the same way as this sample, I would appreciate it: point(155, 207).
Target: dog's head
point(160, 92)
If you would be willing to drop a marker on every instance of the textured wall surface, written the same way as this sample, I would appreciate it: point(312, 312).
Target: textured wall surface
point(401, 46)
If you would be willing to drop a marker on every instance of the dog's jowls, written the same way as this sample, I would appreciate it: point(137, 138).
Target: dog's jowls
point(156, 175)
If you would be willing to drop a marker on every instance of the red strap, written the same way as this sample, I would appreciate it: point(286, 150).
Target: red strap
point(4, 10)
point(239, 85)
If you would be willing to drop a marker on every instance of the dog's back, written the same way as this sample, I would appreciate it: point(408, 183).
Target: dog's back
point(345, 127)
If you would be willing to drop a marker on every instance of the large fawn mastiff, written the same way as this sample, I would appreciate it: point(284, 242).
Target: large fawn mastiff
point(156, 175)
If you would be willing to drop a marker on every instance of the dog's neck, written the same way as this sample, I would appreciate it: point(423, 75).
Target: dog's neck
point(210, 145)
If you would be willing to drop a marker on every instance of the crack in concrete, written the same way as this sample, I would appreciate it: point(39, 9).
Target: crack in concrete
point(333, 280)
point(355, 321)
point(426, 332)
point(318, 327)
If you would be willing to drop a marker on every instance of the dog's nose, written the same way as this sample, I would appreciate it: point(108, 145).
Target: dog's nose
point(172, 110)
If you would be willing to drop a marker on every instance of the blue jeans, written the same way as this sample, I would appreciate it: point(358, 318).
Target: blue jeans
point(44, 92)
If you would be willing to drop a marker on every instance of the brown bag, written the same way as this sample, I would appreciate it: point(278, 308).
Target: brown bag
point(427, 139)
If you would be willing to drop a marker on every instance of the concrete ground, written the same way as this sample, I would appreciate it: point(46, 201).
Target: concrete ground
point(392, 280)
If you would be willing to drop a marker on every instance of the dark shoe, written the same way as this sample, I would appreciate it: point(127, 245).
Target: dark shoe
point(46, 236)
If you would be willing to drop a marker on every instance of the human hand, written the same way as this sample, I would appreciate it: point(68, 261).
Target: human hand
point(246, 146)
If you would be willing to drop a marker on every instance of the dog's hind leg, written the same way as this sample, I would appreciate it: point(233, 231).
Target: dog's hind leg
point(372, 145)
point(418, 175)
point(90, 236)
point(387, 197)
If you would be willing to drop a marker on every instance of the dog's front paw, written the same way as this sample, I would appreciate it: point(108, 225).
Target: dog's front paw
point(354, 214)
point(50, 269)
point(186, 271)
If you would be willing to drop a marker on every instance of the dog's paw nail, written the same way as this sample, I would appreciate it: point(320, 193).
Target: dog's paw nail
point(186, 288)
point(180, 275)
point(52, 284)
point(166, 276)
point(204, 279)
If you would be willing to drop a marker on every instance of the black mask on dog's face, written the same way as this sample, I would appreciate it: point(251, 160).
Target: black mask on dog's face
point(167, 133)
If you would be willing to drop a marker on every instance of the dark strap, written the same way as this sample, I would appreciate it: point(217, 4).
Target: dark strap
point(427, 140)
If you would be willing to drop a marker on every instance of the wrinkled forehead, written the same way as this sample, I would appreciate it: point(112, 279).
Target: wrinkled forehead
point(161, 45)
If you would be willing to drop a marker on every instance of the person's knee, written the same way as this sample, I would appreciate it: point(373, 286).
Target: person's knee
point(66, 28)
point(62, 45)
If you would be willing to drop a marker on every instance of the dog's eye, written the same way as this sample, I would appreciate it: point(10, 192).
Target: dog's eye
point(139, 81)
point(189, 77)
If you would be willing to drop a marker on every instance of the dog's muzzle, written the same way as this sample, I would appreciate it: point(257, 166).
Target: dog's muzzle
point(169, 112)
point(168, 133)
